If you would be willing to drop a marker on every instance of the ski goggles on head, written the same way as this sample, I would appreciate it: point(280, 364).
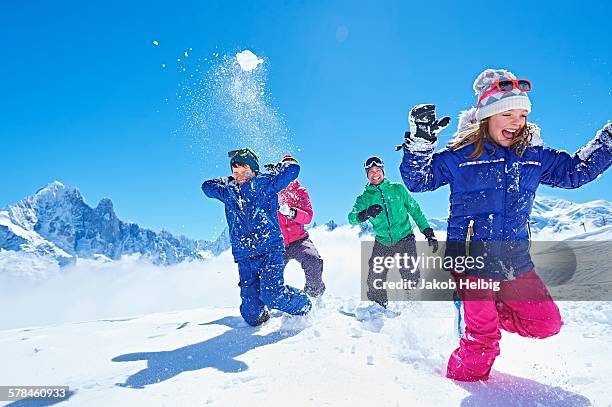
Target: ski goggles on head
point(243, 152)
point(505, 86)
point(373, 162)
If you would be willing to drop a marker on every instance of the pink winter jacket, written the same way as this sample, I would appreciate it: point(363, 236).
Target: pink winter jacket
point(297, 198)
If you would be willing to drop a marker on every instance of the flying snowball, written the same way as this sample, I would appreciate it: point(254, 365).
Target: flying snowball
point(155, 42)
point(248, 61)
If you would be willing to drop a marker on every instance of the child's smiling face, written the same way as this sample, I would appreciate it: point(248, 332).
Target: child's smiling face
point(242, 173)
point(503, 127)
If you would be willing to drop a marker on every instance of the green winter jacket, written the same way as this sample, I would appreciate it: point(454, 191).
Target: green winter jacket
point(393, 223)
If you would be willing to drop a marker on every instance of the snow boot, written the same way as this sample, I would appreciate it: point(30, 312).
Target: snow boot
point(314, 293)
point(265, 315)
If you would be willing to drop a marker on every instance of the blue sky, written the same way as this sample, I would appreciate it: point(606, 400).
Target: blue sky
point(86, 101)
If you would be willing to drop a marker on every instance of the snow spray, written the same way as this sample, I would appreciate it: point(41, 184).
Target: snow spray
point(228, 107)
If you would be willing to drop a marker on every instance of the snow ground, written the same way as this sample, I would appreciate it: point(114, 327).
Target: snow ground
point(189, 346)
point(209, 356)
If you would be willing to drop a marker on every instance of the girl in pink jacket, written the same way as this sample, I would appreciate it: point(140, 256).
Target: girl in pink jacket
point(295, 211)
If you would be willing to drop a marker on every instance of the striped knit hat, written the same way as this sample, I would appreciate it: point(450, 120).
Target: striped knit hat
point(288, 158)
point(498, 102)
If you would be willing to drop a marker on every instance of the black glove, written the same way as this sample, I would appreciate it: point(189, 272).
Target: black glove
point(371, 212)
point(423, 122)
point(431, 239)
point(406, 143)
point(424, 127)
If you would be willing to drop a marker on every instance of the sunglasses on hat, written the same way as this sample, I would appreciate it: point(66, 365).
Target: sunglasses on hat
point(505, 86)
point(243, 152)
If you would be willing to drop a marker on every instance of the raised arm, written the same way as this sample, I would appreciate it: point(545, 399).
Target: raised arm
point(562, 170)
point(424, 170)
point(216, 188)
point(284, 174)
point(421, 168)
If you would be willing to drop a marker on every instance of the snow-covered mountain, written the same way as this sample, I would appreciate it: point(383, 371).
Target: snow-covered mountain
point(57, 222)
point(559, 219)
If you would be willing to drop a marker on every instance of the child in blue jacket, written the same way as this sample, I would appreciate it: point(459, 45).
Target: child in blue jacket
point(493, 167)
point(251, 204)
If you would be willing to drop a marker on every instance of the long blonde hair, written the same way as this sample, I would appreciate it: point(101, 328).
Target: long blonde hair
point(477, 133)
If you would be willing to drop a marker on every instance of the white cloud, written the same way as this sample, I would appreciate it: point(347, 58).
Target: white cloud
point(97, 289)
point(41, 294)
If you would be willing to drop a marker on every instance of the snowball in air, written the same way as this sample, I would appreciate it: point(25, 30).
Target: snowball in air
point(248, 61)
point(155, 42)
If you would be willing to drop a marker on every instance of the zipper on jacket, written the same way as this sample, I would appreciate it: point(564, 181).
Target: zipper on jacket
point(246, 218)
point(386, 212)
point(468, 237)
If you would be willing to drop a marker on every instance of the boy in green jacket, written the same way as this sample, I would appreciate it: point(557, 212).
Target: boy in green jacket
point(388, 206)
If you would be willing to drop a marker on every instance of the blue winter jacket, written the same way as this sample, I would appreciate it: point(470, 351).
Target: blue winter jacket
point(496, 192)
point(251, 210)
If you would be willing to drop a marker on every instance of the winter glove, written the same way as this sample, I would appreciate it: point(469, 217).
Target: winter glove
point(274, 167)
point(424, 128)
point(286, 210)
point(406, 143)
point(431, 239)
point(224, 180)
point(603, 138)
point(371, 212)
point(271, 167)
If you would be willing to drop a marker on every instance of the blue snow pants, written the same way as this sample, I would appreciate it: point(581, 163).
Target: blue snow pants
point(262, 283)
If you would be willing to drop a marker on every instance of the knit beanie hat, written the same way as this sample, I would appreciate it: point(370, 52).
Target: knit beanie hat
point(498, 102)
point(288, 158)
point(244, 156)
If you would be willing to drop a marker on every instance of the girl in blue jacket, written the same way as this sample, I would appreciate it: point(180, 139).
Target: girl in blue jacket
point(493, 167)
point(251, 204)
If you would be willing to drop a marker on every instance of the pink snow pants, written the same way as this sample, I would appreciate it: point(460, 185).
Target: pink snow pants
point(521, 306)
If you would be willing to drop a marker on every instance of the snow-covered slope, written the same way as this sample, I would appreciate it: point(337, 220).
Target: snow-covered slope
point(57, 222)
point(209, 356)
point(189, 345)
point(558, 219)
